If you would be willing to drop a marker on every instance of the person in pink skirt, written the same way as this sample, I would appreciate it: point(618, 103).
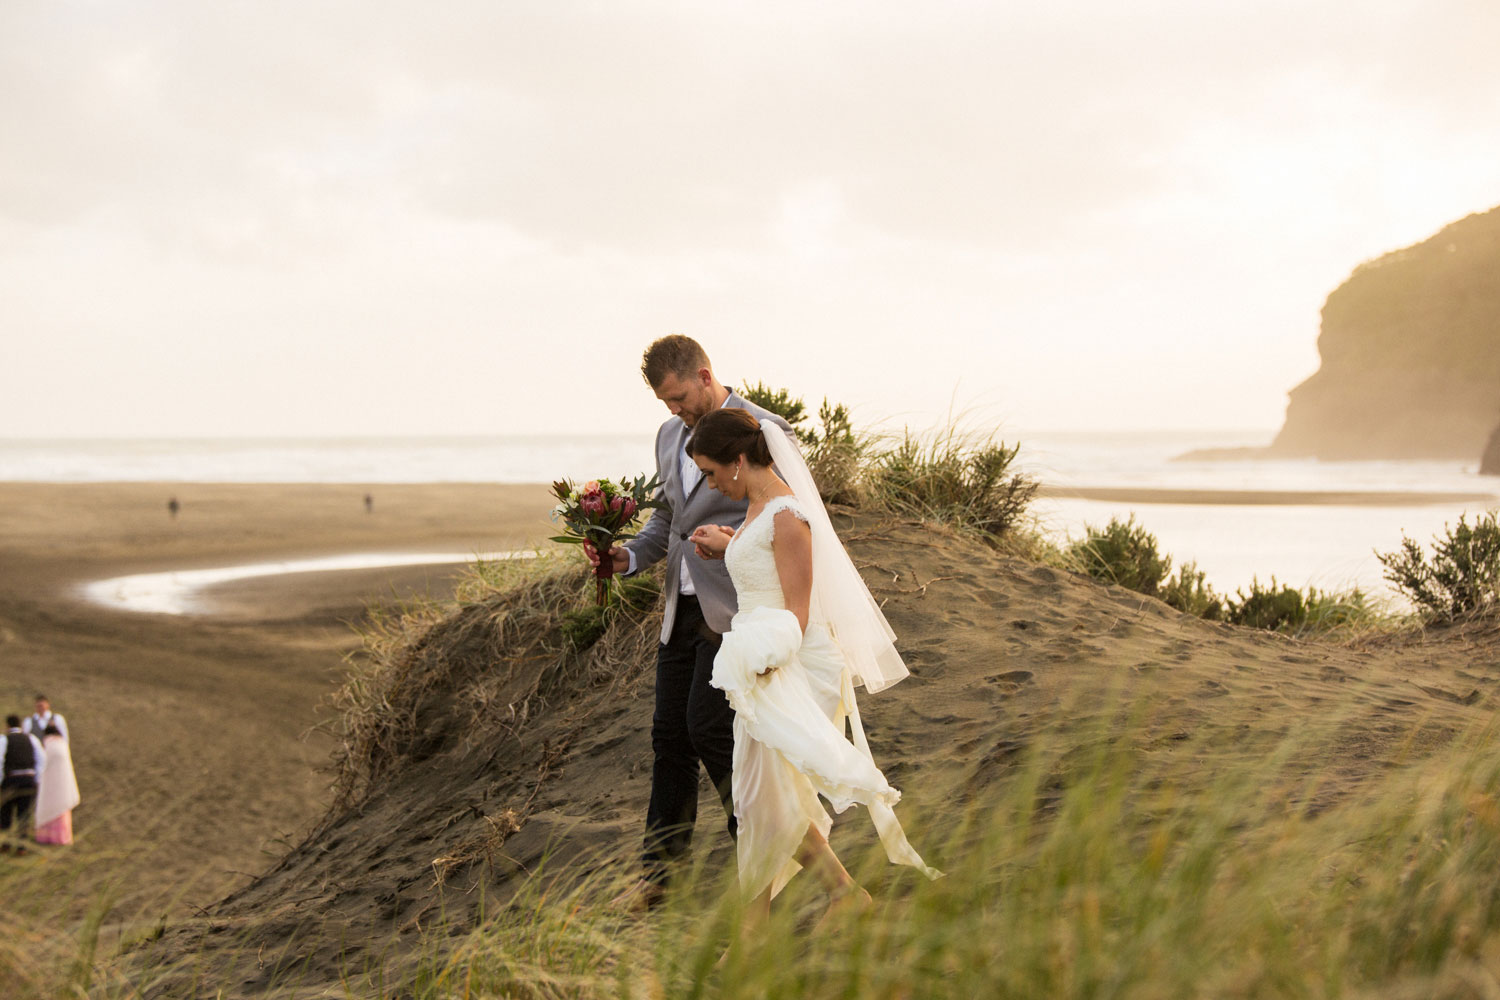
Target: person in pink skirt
point(57, 792)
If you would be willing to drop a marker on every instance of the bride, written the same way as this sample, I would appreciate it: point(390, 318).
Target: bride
point(807, 631)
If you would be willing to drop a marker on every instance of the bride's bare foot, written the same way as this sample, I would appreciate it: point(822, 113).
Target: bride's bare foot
point(842, 905)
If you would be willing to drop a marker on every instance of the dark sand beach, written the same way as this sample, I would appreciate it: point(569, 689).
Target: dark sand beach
point(193, 736)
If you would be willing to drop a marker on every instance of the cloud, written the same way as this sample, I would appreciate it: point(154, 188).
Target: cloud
point(867, 191)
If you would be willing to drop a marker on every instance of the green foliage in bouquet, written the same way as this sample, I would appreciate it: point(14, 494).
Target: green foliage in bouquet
point(600, 511)
point(599, 514)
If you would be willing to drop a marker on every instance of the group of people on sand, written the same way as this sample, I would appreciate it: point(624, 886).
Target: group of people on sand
point(37, 785)
point(767, 630)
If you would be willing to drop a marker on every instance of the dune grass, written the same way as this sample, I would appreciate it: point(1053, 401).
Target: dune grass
point(1100, 861)
point(1111, 872)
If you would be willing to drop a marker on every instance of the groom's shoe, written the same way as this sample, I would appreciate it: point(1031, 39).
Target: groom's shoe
point(640, 898)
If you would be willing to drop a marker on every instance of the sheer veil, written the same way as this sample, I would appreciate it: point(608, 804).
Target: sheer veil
point(840, 598)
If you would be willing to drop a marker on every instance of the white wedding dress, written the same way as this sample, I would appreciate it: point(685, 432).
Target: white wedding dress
point(793, 695)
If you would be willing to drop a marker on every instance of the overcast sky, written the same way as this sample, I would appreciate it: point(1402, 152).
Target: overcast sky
point(312, 218)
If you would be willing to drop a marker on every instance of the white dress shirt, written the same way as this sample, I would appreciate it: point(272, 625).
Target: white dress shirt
point(689, 474)
point(51, 718)
point(36, 749)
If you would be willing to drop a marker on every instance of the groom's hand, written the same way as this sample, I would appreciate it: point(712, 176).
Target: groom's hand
point(617, 555)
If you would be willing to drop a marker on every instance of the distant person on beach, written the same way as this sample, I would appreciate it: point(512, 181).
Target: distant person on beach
point(22, 762)
point(57, 791)
point(173, 507)
point(37, 722)
point(369, 504)
point(692, 723)
point(806, 633)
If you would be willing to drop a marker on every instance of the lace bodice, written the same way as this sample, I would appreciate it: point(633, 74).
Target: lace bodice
point(750, 561)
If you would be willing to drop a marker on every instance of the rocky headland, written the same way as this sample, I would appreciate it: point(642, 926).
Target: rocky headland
point(1410, 349)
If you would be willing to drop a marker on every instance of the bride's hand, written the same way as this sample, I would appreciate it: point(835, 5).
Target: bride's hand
point(710, 540)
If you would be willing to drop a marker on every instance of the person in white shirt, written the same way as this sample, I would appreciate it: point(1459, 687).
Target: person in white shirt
point(36, 723)
point(22, 762)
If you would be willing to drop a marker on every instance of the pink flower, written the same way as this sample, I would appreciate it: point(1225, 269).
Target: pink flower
point(616, 504)
point(592, 486)
point(629, 508)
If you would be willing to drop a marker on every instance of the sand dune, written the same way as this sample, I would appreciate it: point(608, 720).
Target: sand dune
point(1006, 656)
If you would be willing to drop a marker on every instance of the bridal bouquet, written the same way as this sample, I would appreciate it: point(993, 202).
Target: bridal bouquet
point(600, 513)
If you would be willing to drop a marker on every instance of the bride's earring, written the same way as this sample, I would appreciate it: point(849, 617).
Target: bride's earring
point(736, 472)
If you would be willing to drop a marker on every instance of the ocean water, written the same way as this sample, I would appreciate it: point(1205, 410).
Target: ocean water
point(516, 459)
point(1325, 546)
point(177, 592)
point(1329, 547)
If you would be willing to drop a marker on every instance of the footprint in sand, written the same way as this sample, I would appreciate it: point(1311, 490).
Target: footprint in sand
point(1011, 679)
point(1437, 692)
point(1212, 689)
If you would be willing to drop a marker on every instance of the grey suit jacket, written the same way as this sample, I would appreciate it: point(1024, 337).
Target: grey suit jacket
point(666, 533)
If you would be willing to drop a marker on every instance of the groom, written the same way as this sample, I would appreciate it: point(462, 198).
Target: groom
point(693, 722)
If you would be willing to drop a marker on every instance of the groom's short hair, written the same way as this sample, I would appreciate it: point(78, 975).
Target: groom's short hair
point(673, 354)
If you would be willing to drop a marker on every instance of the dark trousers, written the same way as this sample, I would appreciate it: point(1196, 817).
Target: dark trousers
point(16, 799)
point(693, 723)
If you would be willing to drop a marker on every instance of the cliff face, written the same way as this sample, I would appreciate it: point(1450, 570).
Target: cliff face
point(1410, 348)
point(1489, 463)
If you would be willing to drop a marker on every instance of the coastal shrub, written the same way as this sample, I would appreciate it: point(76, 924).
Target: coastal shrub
point(786, 406)
point(1187, 590)
point(1123, 553)
point(954, 479)
point(835, 454)
point(1281, 608)
point(960, 479)
point(1461, 577)
point(1268, 606)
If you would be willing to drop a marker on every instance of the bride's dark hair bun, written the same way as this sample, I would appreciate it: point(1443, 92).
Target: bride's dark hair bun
point(725, 435)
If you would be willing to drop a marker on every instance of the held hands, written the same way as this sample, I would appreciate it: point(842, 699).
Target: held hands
point(616, 555)
point(711, 540)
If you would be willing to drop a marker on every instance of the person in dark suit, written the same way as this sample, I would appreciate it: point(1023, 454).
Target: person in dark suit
point(692, 723)
point(21, 764)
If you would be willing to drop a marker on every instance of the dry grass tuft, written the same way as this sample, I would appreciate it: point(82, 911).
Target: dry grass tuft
point(522, 633)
